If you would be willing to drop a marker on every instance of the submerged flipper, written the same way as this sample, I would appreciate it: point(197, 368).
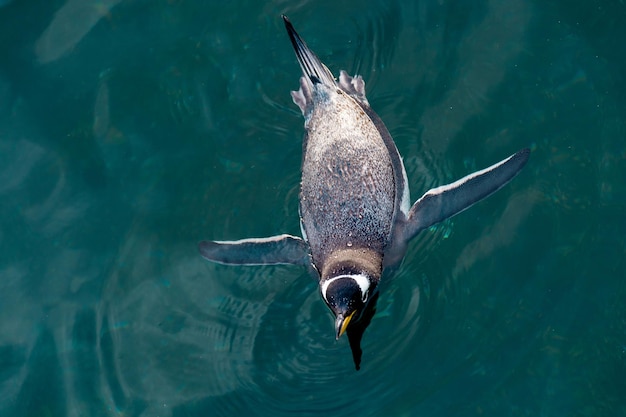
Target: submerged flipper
point(282, 249)
point(442, 202)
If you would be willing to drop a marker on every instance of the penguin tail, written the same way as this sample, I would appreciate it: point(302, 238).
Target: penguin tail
point(312, 68)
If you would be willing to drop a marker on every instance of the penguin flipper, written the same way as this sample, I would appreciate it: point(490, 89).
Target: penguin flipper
point(445, 201)
point(281, 249)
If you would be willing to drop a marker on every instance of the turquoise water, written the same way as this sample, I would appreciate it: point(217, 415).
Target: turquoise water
point(131, 130)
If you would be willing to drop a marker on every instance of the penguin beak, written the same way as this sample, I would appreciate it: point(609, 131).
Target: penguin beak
point(341, 323)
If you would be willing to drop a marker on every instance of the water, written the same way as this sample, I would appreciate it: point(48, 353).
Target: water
point(130, 130)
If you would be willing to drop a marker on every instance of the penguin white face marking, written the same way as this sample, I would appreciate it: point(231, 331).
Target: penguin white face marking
point(362, 281)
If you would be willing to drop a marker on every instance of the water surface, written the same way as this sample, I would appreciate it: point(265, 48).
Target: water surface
point(130, 130)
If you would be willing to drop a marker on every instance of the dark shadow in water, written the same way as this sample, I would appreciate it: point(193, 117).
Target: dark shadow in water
point(42, 392)
point(355, 332)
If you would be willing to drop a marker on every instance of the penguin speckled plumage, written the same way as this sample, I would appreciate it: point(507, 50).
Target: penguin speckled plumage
point(355, 212)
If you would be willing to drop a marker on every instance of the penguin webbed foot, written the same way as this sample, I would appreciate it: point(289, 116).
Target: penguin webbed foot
point(355, 86)
point(303, 98)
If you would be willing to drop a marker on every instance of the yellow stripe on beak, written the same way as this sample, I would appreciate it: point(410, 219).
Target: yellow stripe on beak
point(345, 323)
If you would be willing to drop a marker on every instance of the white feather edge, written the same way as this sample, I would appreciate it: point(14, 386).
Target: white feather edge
point(443, 188)
point(361, 279)
point(257, 239)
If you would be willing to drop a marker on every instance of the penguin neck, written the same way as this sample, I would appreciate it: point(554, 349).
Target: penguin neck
point(350, 261)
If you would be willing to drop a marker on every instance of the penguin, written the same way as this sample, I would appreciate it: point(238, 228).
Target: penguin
point(354, 205)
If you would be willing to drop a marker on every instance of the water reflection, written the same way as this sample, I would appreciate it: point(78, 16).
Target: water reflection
point(69, 26)
point(111, 161)
point(193, 331)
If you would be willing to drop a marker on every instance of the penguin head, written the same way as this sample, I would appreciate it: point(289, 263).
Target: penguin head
point(349, 279)
point(347, 296)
